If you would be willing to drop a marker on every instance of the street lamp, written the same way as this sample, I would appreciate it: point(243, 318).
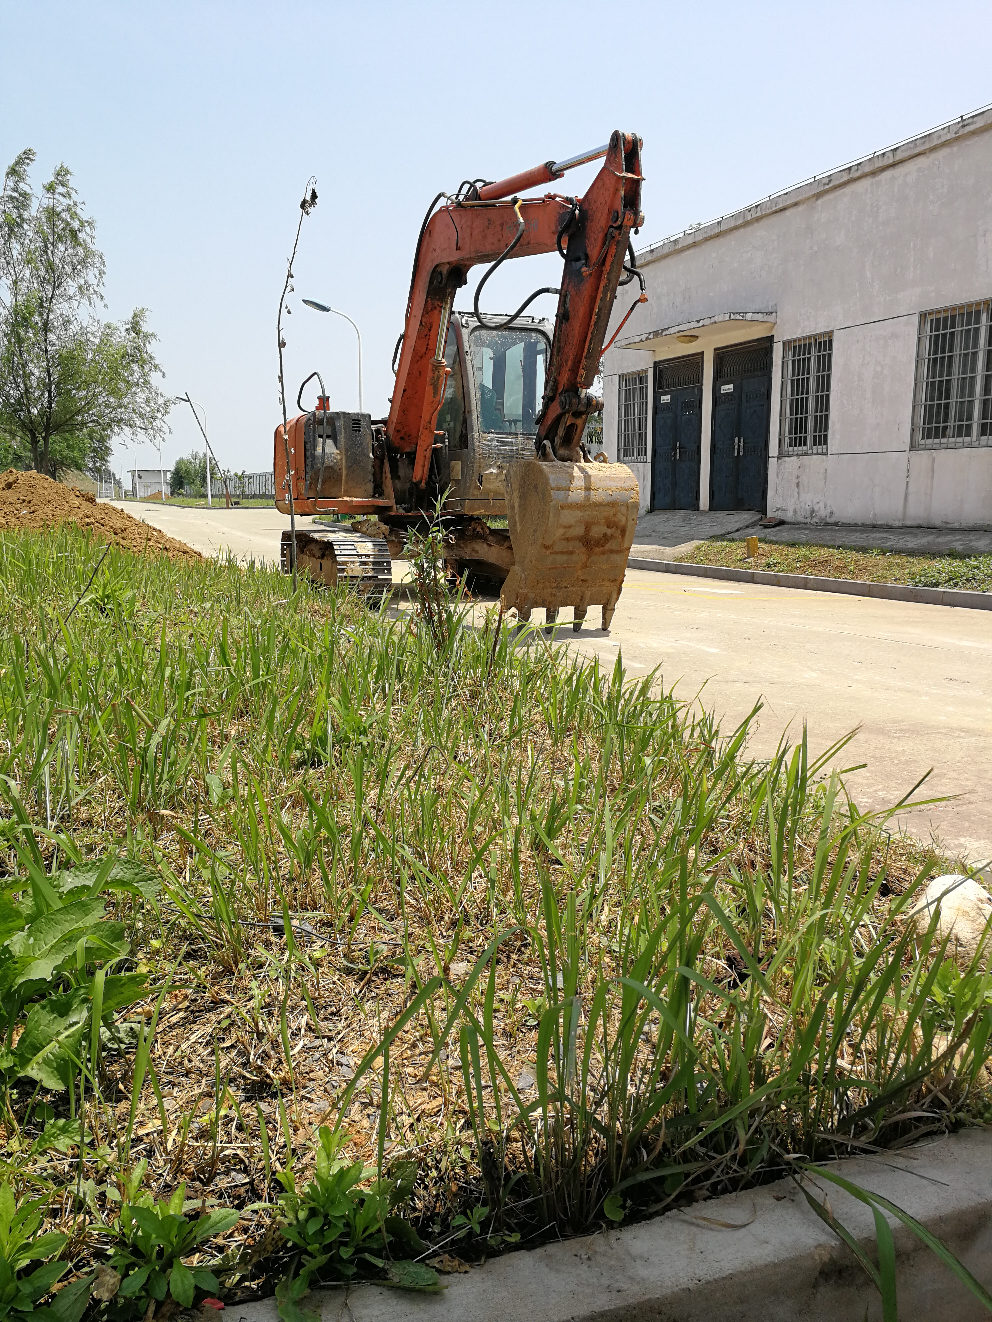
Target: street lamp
point(323, 307)
point(185, 399)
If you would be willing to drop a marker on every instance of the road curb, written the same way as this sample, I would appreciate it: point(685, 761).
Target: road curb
point(814, 583)
point(760, 1256)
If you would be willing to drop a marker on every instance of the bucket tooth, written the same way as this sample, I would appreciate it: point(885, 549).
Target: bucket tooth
point(578, 616)
point(550, 615)
point(571, 527)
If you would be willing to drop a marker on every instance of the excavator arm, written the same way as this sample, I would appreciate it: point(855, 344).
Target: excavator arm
point(491, 224)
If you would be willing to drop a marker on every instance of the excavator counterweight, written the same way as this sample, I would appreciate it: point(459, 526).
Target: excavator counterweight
point(488, 414)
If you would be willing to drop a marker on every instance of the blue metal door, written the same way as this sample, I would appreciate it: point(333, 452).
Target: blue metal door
point(723, 457)
point(742, 383)
point(688, 448)
point(752, 459)
point(663, 452)
point(678, 401)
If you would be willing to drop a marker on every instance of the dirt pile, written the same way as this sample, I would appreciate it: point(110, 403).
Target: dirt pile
point(30, 500)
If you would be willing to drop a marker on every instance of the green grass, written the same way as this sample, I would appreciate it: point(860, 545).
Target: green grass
point(973, 573)
point(564, 953)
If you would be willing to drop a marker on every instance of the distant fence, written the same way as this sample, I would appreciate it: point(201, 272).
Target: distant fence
point(249, 485)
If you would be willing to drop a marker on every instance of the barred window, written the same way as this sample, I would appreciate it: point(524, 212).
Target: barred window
point(805, 416)
point(952, 408)
point(633, 447)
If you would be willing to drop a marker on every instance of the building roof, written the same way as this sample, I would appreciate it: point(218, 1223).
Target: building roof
point(976, 121)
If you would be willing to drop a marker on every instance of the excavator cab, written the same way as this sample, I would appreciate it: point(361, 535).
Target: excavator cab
point(487, 418)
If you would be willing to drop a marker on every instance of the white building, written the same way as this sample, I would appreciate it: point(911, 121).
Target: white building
point(148, 482)
point(823, 355)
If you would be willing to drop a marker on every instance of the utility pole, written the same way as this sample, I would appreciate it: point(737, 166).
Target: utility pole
point(210, 454)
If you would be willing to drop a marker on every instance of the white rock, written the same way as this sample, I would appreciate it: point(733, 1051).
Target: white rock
point(965, 909)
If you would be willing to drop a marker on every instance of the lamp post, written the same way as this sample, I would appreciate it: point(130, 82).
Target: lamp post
point(161, 473)
point(324, 307)
point(185, 399)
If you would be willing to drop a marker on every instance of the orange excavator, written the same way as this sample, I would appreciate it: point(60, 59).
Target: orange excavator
point(488, 414)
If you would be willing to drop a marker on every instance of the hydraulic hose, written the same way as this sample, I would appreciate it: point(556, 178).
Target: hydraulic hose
point(631, 271)
point(299, 393)
point(502, 325)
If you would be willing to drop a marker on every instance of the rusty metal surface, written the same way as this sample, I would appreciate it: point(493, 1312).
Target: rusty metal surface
point(571, 526)
point(474, 545)
point(519, 183)
point(595, 230)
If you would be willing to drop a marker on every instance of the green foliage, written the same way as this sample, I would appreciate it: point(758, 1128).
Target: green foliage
point(69, 382)
point(972, 573)
point(150, 1240)
point(592, 436)
point(57, 947)
point(969, 573)
point(340, 1228)
point(956, 996)
point(20, 1247)
point(189, 475)
point(438, 613)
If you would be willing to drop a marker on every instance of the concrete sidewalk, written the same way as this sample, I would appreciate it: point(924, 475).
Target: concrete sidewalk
point(667, 534)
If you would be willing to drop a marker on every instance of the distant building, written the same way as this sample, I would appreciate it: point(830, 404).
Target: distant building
point(823, 355)
point(148, 482)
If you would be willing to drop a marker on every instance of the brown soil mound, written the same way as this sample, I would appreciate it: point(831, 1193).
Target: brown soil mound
point(30, 500)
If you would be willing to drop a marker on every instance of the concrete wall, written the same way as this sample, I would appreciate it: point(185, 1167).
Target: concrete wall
point(626, 360)
point(860, 253)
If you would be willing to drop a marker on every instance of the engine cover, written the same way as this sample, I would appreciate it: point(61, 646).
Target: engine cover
point(337, 455)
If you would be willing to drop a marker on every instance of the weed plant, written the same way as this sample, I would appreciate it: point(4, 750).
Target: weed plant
point(527, 940)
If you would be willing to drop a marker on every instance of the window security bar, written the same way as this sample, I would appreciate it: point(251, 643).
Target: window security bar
point(952, 406)
point(633, 410)
point(807, 365)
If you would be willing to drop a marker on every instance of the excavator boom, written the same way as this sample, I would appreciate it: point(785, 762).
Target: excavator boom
point(592, 233)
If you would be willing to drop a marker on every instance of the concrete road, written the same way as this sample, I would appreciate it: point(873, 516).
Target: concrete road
point(916, 679)
point(251, 534)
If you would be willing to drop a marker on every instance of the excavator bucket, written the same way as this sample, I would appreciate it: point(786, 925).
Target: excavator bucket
point(571, 528)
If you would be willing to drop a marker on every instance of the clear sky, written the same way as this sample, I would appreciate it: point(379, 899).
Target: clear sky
point(191, 129)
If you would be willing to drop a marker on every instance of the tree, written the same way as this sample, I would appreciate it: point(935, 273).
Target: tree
point(189, 475)
point(69, 382)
